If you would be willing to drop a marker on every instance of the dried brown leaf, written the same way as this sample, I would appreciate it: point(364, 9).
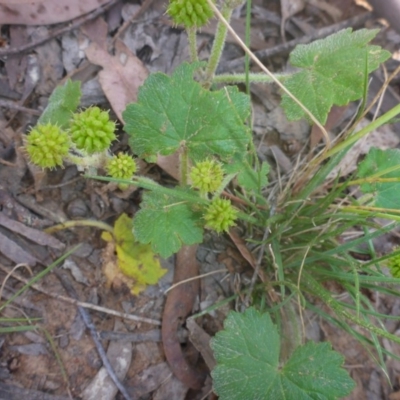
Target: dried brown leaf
point(44, 12)
point(178, 306)
point(121, 76)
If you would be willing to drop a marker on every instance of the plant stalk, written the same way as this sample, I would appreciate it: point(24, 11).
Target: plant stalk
point(184, 166)
point(192, 37)
point(218, 46)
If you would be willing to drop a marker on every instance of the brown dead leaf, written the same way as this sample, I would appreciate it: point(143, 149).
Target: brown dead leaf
point(288, 9)
point(96, 30)
point(201, 340)
point(115, 279)
point(16, 65)
point(170, 164)
point(121, 76)
point(331, 9)
point(245, 252)
point(44, 12)
point(335, 116)
point(178, 306)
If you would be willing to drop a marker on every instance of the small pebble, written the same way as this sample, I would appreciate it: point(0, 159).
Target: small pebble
point(77, 208)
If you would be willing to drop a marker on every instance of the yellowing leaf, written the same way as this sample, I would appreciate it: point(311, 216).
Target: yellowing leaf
point(135, 260)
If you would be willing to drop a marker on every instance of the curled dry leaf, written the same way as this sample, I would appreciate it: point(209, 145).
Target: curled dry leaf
point(44, 12)
point(178, 306)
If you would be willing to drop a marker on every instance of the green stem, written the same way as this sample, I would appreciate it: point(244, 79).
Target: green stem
point(372, 179)
point(247, 41)
point(315, 288)
point(377, 177)
point(149, 184)
point(218, 46)
point(370, 213)
point(97, 160)
point(184, 166)
point(384, 119)
point(241, 78)
point(192, 37)
point(81, 222)
point(251, 220)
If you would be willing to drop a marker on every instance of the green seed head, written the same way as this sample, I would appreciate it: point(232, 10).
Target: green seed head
point(121, 166)
point(92, 131)
point(47, 145)
point(190, 12)
point(220, 215)
point(207, 176)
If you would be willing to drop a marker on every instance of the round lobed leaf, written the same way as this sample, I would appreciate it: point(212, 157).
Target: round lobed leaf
point(47, 145)
point(190, 12)
point(92, 130)
point(220, 215)
point(207, 176)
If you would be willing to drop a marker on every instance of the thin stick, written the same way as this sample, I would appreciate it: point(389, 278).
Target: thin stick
point(10, 273)
point(194, 278)
point(83, 304)
point(11, 105)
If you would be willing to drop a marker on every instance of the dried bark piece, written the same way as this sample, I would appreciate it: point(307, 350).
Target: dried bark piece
point(35, 235)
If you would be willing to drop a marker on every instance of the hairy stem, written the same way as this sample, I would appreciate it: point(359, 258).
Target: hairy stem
point(241, 78)
point(184, 166)
point(192, 37)
point(218, 46)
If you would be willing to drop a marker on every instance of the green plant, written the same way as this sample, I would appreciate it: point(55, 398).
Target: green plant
point(47, 145)
point(121, 166)
point(91, 130)
point(300, 224)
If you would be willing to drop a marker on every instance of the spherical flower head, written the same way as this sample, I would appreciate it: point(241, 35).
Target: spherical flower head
point(92, 131)
point(121, 166)
point(190, 12)
point(207, 176)
point(47, 145)
point(220, 215)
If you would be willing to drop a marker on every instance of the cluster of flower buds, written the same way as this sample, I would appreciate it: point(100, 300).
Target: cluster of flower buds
point(90, 132)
